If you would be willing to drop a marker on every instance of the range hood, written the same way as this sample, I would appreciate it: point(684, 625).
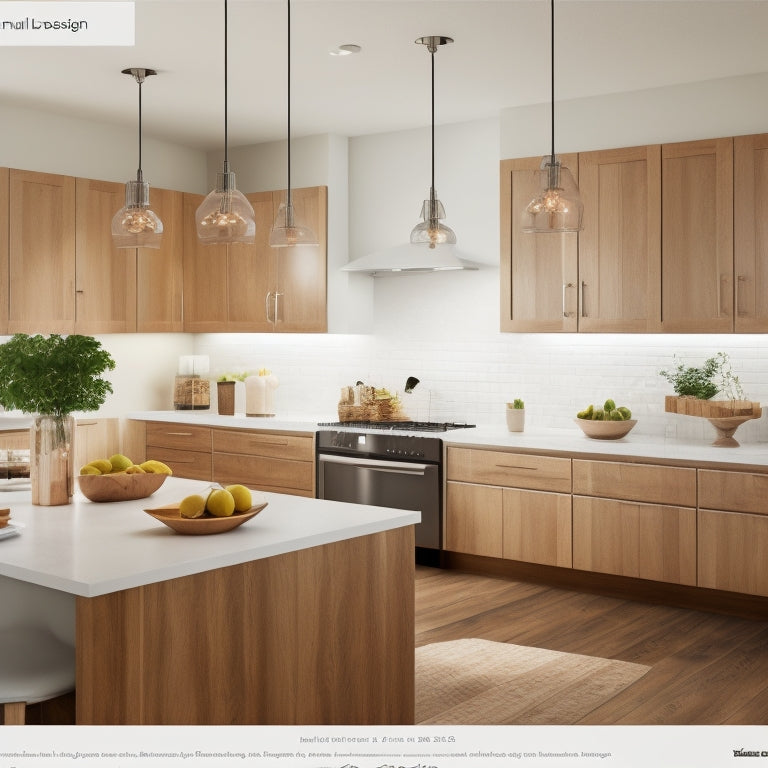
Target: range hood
point(409, 259)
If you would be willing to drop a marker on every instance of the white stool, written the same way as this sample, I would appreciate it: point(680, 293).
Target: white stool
point(34, 666)
point(37, 646)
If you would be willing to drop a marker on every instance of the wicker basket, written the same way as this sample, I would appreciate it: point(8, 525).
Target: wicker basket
point(370, 408)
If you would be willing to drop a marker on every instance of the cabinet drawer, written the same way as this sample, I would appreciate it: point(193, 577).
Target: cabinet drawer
point(514, 470)
point(635, 482)
point(195, 465)
point(646, 541)
point(732, 552)
point(264, 444)
point(733, 491)
point(265, 473)
point(182, 436)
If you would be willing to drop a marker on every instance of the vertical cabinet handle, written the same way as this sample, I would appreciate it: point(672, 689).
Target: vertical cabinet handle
point(565, 287)
point(740, 280)
point(581, 300)
point(266, 307)
point(277, 304)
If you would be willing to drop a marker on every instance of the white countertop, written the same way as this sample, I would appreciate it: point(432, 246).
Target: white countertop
point(566, 441)
point(91, 549)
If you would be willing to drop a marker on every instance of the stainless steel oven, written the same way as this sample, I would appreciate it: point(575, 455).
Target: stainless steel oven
point(387, 467)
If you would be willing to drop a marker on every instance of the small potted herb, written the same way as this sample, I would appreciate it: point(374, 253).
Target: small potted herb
point(516, 415)
point(51, 377)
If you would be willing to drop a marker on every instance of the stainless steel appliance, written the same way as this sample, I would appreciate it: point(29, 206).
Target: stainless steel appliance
point(387, 464)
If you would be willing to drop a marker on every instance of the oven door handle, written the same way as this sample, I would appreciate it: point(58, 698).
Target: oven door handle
point(378, 465)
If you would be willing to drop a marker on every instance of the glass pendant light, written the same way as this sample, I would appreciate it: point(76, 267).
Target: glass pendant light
point(286, 231)
point(431, 231)
point(136, 225)
point(557, 206)
point(225, 216)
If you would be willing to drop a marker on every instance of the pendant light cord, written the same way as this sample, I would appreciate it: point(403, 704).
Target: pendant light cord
point(432, 57)
point(288, 198)
point(552, 76)
point(139, 174)
point(226, 78)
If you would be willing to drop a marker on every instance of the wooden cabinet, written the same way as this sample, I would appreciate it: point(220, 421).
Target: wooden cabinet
point(501, 504)
point(256, 288)
point(4, 174)
point(185, 448)
point(539, 272)
point(750, 236)
point(733, 531)
point(620, 245)
point(41, 258)
point(268, 461)
point(635, 520)
point(697, 236)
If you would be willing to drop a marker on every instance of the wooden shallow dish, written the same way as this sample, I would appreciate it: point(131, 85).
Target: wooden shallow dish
point(120, 486)
point(606, 430)
point(169, 515)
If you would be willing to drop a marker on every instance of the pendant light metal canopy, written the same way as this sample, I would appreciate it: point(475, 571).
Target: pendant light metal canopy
point(286, 231)
point(431, 231)
point(557, 206)
point(136, 225)
point(225, 216)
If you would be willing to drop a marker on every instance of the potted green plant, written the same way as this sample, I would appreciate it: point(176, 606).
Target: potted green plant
point(51, 377)
point(516, 415)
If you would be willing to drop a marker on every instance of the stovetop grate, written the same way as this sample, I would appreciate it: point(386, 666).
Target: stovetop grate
point(404, 426)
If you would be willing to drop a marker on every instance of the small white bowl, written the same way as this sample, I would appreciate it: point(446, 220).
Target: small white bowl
point(606, 430)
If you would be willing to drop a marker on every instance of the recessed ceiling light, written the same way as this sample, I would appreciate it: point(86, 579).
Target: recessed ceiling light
point(346, 50)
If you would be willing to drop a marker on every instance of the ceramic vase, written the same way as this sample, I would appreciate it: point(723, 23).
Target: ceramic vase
point(52, 460)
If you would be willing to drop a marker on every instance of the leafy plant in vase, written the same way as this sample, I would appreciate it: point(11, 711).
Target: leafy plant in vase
point(695, 388)
point(52, 377)
point(516, 415)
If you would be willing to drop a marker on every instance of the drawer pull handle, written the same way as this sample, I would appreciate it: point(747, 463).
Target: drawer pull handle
point(179, 434)
point(516, 466)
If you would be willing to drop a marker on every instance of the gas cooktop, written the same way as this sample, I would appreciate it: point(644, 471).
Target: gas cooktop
point(404, 426)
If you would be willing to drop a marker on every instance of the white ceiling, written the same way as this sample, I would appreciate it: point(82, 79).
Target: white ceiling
point(500, 58)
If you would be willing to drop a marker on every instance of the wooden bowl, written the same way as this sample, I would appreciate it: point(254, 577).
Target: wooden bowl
point(170, 516)
point(120, 486)
point(606, 430)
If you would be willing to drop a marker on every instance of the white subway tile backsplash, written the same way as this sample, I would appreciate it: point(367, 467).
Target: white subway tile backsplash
point(471, 377)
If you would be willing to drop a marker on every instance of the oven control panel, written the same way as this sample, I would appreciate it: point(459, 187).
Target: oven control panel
point(380, 445)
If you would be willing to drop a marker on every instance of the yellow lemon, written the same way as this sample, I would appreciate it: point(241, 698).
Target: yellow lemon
point(221, 503)
point(134, 469)
point(152, 465)
point(192, 506)
point(104, 466)
point(89, 469)
point(242, 497)
point(119, 462)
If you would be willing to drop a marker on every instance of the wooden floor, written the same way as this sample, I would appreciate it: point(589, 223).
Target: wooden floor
point(706, 668)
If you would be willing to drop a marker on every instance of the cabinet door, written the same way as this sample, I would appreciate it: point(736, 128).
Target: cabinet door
point(205, 277)
point(537, 527)
point(733, 548)
point(646, 541)
point(4, 218)
point(697, 236)
point(159, 271)
point(302, 271)
point(750, 236)
point(473, 519)
point(251, 274)
point(620, 245)
point(41, 253)
point(105, 286)
point(539, 276)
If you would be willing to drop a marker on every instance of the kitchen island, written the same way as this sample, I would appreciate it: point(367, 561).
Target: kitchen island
point(303, 615)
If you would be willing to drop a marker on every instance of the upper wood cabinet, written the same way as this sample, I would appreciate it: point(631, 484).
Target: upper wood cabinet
point(256, 288)
point(620, 245)
point(41, 256)
point(697, 236)
point(750, 222)
point(539, 272)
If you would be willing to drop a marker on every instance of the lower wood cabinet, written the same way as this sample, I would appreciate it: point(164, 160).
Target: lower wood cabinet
point(625, 538)
point(185, 448)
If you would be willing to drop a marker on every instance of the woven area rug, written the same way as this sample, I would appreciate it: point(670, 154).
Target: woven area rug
point(480, 682)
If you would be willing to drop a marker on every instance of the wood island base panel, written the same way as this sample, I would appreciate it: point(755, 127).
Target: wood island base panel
point(322, 636)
